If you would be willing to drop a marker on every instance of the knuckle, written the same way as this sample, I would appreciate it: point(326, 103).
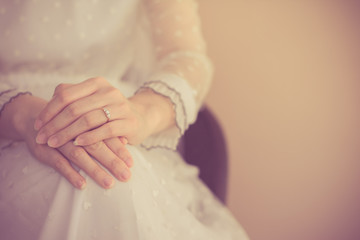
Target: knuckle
point(76, 153)
point(120, 151)
point(59, 164)
point(99, 80)
point(97, 172)
point(114, 164)
point(63, 97)
point(113, 91)
point(72, 110)
point(88, 121)
point(110, 130)
point(46, 115)
point(48, 129)
point(94, 147)
point(63, 137)
point(59, 88)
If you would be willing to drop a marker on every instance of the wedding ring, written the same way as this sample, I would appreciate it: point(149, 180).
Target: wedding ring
point(107, 114)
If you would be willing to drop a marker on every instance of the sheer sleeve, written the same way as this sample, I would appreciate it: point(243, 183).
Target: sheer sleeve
point(183, 71)
point(8, 93)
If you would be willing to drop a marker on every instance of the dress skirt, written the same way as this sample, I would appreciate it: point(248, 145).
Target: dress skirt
point(164, 199)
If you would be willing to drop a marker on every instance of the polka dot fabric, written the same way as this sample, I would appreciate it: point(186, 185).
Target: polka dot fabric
point(134, 44)
point(92, 38)
point(183, 72)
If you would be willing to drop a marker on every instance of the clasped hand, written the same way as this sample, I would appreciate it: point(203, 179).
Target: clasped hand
point(76, 113)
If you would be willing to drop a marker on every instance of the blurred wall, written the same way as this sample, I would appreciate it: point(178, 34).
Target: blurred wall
point(286, 90)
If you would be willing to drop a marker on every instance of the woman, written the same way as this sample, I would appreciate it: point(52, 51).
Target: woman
point(54, 112)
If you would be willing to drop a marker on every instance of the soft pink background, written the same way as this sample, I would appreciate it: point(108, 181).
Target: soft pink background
point(286, 90)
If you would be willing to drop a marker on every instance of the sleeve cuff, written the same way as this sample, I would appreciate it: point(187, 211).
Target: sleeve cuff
point(182, 96)
point(7, 95)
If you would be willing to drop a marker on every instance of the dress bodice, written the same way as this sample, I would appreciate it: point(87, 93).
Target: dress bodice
point(133, 44)
point(87, 37)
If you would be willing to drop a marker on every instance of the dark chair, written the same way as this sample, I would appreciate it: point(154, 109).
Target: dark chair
point(204, 146)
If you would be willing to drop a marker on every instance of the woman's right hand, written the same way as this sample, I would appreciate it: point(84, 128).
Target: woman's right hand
point(60, 159)
point(104, 152)
point(109, 153)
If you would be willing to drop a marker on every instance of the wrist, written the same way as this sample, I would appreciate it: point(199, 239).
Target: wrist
point(18, 116)
point(156, 109)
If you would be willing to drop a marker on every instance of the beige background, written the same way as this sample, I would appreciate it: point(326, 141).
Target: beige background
point(286, 90)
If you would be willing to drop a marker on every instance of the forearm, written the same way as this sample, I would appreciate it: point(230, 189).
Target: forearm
point(18, 116)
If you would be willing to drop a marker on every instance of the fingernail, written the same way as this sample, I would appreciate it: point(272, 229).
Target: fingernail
point(38, 124)
point(128, 162)
point(81, 184)
point(41, 138)
point(78, 141)
point(124, 140)
point(53, 141)
point(125, 174)
point(108, 182)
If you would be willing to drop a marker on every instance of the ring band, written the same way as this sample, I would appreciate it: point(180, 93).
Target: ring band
point(107, 114)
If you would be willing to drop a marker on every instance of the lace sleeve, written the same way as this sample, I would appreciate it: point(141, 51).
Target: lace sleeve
point(8, 93)
point(183, 71)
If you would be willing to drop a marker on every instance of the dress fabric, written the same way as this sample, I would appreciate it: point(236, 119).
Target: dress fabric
point(133, 44)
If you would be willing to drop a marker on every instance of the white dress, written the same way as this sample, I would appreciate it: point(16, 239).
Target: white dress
point(133, 44)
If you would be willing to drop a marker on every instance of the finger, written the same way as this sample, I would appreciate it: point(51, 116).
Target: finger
point(61, 87)
point(118, 147)
point(56, 160)
point(84, 123)
point(81, 158)
point(124, 140)
point(70, 113)
point(108, 130)
point(65, 96)
point(63, 166)
point(90, 119)
point(108, 159)
point(107, 96)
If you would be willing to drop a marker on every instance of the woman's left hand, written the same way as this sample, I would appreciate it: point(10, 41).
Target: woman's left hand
point(78, 111)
